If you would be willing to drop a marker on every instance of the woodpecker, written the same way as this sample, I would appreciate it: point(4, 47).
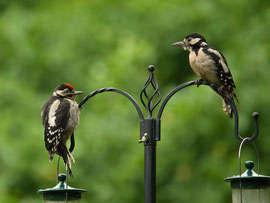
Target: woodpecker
point(210, 65)
point(60, 116)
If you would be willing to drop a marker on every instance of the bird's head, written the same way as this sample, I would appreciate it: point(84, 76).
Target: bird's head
point(191, 41)
point(66, 90)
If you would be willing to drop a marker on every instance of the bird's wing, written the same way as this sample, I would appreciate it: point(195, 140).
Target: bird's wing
point(45, 109)
point(223, 70)
point(55, 123)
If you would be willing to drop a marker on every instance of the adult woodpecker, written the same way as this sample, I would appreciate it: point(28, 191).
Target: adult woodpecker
point(210, 65)
point(60, 116)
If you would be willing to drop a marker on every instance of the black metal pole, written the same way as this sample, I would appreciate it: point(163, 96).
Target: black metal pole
point(150, 174)
point(148, 128)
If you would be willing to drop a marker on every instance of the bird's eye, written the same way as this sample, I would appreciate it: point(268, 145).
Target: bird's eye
point(189, 39)
point(66, 90)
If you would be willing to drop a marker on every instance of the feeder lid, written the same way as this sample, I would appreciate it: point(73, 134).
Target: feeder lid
point(249, 179)
point(60, 190)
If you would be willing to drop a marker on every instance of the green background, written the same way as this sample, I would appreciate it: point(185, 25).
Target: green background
point(98, 43)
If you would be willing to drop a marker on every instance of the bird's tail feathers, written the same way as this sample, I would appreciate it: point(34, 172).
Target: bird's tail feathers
point(70, 157)
point(67, 157)
point(227, 108)
point(51, 155)
point(234, 95)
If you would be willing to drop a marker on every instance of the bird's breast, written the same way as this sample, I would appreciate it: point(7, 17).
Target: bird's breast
point(74, 118)
point(204, 66)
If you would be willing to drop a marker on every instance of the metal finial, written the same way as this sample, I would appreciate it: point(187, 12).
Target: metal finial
point(62, 177)
point(151, 68)
point(255, 115)
point(148, 104)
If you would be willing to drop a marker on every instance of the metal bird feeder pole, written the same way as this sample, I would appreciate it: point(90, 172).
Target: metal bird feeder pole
point(150, 127)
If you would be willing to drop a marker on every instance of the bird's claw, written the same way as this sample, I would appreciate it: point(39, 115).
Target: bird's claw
point(198, 82)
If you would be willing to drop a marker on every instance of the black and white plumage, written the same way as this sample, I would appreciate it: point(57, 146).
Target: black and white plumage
point(60, 116)
point(210, 65)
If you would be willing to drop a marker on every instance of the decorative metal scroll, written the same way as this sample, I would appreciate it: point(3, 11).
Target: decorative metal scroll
point(148, 104)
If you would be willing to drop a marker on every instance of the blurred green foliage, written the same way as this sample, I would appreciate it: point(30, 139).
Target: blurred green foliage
point(98, 43)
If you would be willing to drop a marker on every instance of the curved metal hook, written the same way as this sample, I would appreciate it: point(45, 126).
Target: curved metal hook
point(111, 89)
point(255, 115)
point(239, 161)
point(247, 139)
point(239, 154)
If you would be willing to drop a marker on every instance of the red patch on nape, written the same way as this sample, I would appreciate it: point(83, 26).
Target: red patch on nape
point(70, 86)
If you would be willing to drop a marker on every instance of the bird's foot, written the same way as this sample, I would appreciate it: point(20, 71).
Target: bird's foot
point(199, 81)
point(221, 89)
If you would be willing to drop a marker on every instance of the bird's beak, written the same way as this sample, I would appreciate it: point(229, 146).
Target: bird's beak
point(179, 44)
point(77, 92)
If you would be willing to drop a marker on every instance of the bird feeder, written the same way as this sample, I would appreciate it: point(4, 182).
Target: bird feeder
point(61, 192)
point(250, 187)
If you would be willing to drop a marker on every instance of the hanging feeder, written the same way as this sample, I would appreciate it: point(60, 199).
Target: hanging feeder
point(250, 186)
point(61, 192)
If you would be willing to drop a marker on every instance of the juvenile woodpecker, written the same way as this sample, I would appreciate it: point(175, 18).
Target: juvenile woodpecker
point(210, 65)
point(60, 116)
